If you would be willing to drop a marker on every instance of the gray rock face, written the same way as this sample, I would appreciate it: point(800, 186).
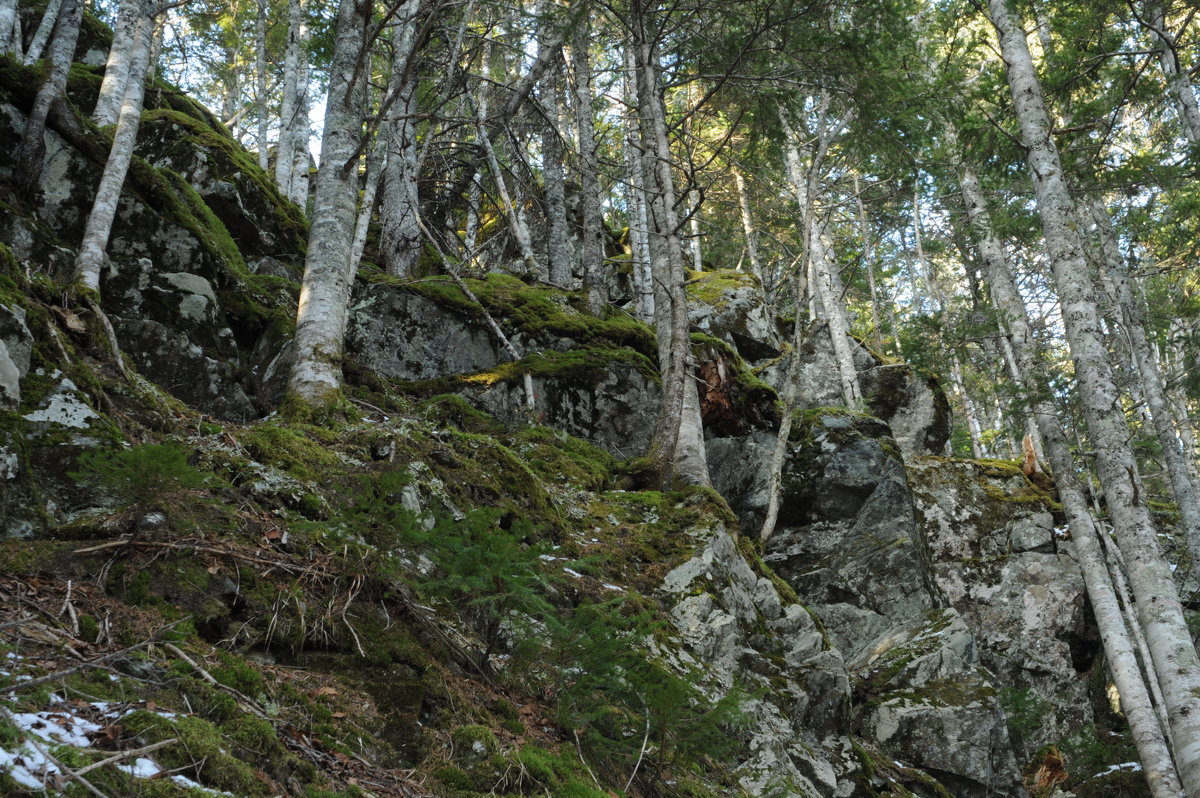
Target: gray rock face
point(16, 348)
point(847, 539)
point(172, 288)
point(603, 396)
point(913, 405)
point(736, 625)
point(998, 560)
point(930, 704)
point(729, 305)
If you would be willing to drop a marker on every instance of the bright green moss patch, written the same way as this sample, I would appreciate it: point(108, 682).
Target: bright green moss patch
point(291, 451)
point(534, 309)
point(714, 287)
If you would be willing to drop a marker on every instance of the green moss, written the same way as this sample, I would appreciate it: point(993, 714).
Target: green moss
point(286, 448)
point(231, 160)
point(449, 408)
point(554, 456)
point(535, 310)
point(715, 287)
point(201, 751)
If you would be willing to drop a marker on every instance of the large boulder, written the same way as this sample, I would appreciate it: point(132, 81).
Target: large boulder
point(729, 305)
point(743, 632)
point(846, 538)
point(1000, 561)
point(186, 309)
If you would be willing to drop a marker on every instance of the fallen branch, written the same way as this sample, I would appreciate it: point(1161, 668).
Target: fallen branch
point(92, 663)
point(117, 757)
point(208, 677)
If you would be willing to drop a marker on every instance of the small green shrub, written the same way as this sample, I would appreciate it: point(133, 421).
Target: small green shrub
point(151, 476)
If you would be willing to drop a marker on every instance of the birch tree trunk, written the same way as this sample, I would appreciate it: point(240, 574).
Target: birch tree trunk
point(826, 284)
point(676, 451)
point(864, 234)
point(293, 116)
point(592, 234)
point(260, 75)
point(8, 23)
point(98, 227)
point(316, 376)
point(31, 152)
point(1150, 576)
point(1153, 392)
point(399, 231)
point(1179, 82)
point(558, 252)
point(42, 35)
point(739, 182)
point(116, 69)
point(635, 195)
point(1023, 364)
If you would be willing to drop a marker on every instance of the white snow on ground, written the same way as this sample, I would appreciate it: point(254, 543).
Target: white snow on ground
point(28, 766)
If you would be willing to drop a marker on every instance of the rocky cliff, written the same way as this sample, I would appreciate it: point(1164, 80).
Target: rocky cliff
point(451, 596)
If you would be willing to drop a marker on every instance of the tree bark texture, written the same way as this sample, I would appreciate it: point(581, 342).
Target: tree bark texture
point(316, 376)
point(399, 230)
point(1149, 574)
point(31, 152)
point(98, 227)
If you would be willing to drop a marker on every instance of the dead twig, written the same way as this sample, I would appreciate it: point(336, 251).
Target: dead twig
point(66, 771)
point(117, 757)
point(92, 663)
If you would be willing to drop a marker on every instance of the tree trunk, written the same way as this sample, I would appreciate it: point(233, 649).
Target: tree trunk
point(635, 195)
point(8, 26)
point(739, 182)
point(592, 234)
point(116, 69)
point(1023, 364)
point(1161, 417)
point(558, 251)
point(864, 233)
point(96, 231)
point(31, 152)
point(1178, 81)
point(399, 231)
point(42, 35)
point(260, 74)
point(316, 376)
point(293, 115)
point(676, 452)
point(826, 284)
point(1150, 576)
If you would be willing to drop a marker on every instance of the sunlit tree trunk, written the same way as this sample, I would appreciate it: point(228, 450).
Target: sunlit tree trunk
point(90, 259)
point(1159, 610)
point(1152, 390)
point(1024, 366)
point(868, 248)
point(1178, 78)
point(116, 69)
point(316, 376)
point(31, 151)
point(293, 117)
point(739, 182)
point(826, 283)
point(260, 75)
point(676, 450)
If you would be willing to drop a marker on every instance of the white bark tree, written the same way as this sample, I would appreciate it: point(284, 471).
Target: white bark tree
point(8, 25)
point(1024, 363)
point(116, 69)
point(592, 222)
point(1178, 78)
point(316, 376)
point(399, 231)
point(291, 155)
point(98, 227)
point(32, 150)
point(676, 453)
point(1159, 610)
point(41, 34)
